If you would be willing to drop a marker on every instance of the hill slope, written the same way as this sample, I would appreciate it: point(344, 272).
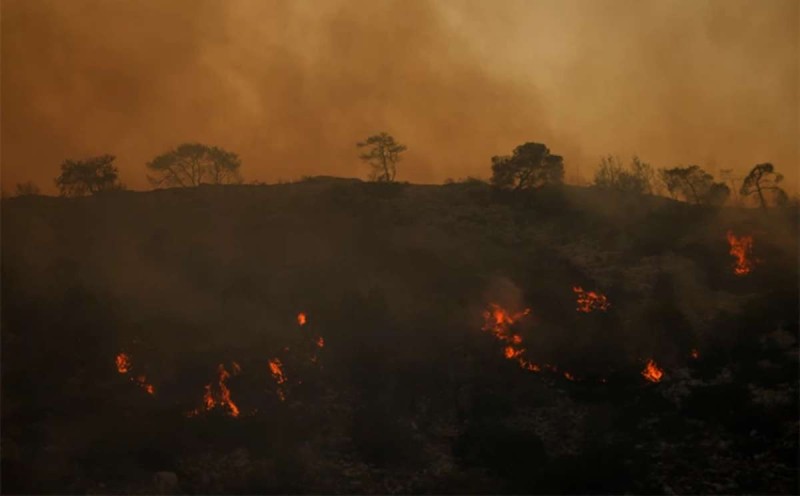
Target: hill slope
point(407, 393)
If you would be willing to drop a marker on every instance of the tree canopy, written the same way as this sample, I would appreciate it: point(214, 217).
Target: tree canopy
point(638, 177)
point(694, 184)
point(762, 180)
point(192, 164)
point(90, 176)
point(530, 166)
point(383, 154)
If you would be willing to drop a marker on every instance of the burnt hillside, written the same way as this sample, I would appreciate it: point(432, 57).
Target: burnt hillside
point(119, 310)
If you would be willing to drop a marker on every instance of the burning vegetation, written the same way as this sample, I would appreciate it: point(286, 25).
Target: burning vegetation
point(124, 366)
point(409, 380)
point(741, 248)
point(499, 322)
point(589, 301)
point(217, 394)
point(652, 372)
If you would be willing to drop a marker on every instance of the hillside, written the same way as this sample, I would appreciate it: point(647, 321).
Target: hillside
point(395, 380)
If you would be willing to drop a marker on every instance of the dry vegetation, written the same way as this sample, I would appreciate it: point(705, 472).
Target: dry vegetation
point(408, 394)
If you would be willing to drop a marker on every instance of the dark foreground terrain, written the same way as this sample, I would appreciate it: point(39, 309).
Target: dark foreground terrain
point(393, 385)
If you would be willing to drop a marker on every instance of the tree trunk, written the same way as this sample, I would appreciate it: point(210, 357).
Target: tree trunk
point(760, 195)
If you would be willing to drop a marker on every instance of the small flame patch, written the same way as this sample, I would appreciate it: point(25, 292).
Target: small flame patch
point(652, 372)
point(222, 396)
point(589, 301)
point(741, 248)
point(123, 362)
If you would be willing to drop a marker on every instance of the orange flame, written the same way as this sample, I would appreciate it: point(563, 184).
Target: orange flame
point(223, 396)
point(652, 372)
point(498, 321)
point(276, 368)
point(741, 248)
point(224, 392)
point(320, 342)
point(124, 365)
point(694, 353)
point(589, 300)
point(123, 362)
point(301, 318)
point(569, 376)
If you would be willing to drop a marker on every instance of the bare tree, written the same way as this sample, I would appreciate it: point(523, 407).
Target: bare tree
point(28, 188)
point(638, 177)
point(382, 155)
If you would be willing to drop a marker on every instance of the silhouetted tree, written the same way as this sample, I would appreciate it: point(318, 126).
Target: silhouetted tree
point(90, 176)
point(530, 166)
point(27, 189)
point(761, 179)
point(717, 194)
point(192, 164)
point(638, 177)
point(383, 155)
point(694, 184)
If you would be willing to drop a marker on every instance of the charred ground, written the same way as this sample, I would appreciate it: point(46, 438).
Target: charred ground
point(408, 394)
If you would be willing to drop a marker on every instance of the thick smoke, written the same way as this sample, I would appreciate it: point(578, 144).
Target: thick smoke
point(292, 86)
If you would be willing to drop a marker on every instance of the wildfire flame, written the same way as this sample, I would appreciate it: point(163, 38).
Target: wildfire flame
point(498, 321)
point(319, 341)
point(276, 369)
point(222, 398)
point(589, 301)
point(652, 372)
point(301, 318)
point(123, 362)
point(694, 353)
point(741, 248)
point(124, 365)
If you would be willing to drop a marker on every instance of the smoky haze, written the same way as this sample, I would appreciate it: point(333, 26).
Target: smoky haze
point(292, 86)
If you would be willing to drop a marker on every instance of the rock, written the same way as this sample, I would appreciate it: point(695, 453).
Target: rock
point(165, 483)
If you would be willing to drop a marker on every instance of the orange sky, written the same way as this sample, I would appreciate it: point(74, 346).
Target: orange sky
point(292, 86)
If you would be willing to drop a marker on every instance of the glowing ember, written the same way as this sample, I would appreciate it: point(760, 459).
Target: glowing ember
point(651, 372)
point(301, 318)
point(123, 363)
point(589, 301)
point(694, 354)
point(141, 381)
point(741, 249)
point(569, 376)
point(222, 396)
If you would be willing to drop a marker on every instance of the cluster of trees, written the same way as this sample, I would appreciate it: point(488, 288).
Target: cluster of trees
point(691, 183)
point(530, 166)
point(190, 164)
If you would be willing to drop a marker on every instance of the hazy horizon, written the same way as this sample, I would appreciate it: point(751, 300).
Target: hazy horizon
point(292, 86)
